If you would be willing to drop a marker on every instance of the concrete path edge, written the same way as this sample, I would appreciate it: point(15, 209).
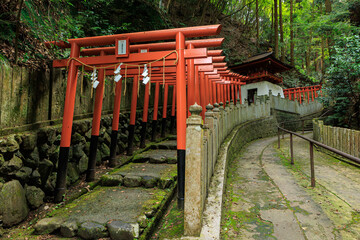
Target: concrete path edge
point(211, 222)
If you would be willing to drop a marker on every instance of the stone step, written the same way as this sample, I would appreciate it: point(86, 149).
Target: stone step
point(157, 156)
point(142, 175)
point(167, 144)
point(118, 212)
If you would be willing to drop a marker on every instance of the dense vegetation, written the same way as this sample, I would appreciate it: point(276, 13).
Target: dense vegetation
point(320, 38)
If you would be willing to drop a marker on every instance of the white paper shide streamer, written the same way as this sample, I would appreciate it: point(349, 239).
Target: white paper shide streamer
point(145, 74)
point(117, 73)
point(94, 80)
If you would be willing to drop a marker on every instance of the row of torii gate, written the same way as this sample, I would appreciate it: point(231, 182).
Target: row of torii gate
point(196, 73)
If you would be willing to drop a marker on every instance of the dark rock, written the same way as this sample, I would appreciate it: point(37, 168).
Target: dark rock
point(78, 151)
point(111, 180)
point(50, 184)
point(92, 230)
point(29, 141)
point(81, 126)
point(47, 134)
point(44, 150)
point(98, 158)
point(105, 150)
point(57, 140)
point(13, 206)
point(149, 181)
point(9, 144)
point(73, 173)
point(35, 178)
point(35, 196)
point(77, 138)
point(19, 155)
point(23, 174)
point(107, 139)
point(88, 134)
point(87, 148)
point(45, 169)
point(68, 229)
point(83, 163)
point(132, 181)
point(11, 166)
point(48, 225)
point(2, 160)
point(120, 230)
point(33, 159)
point(54, 154)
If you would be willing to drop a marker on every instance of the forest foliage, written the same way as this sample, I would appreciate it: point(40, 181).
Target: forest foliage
point(320, 38)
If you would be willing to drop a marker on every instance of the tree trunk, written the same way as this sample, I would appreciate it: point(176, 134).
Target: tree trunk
point(282, 47)
point(276, 29)
point(18, 17)
point(257, 22)
point(292, 45)
point(322, 59)
point(308, 53)
point(328, 6)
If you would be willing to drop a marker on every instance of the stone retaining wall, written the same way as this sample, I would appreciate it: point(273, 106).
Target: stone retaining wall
point(28, 161)
point(343, 139)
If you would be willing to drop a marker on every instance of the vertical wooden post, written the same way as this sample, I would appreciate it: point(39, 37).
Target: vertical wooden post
point(69, 104)
point(278, 138)
point(163, 123)
point(191, 79)
point(90, 174)
point(172, 123)
point(155, 113)
point(181, 116)
point(312, 164)
point(145, 115)
point(291, 149)
point(115, 123)
point(202, 94)
point(131, 127)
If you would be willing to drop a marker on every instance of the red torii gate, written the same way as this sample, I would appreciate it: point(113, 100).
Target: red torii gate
point(300, 93)
point(180, 54)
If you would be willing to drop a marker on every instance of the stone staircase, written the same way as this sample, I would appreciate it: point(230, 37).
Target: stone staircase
point(126, 204)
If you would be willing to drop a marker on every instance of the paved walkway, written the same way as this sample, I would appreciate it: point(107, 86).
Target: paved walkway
point(267, 198)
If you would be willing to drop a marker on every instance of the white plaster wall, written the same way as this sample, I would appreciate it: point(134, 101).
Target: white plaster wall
point(262, 89)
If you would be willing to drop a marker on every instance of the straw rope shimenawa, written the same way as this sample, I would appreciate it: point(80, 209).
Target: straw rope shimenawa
point(126, 65)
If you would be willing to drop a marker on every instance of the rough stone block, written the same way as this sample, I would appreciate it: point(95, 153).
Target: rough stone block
point(120, 230)
point(35, 196)
point(68, 229)
point(48, 225)
point(92, 230)
point(13, 204)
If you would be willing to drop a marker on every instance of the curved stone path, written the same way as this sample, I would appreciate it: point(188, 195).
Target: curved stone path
point(267, 198)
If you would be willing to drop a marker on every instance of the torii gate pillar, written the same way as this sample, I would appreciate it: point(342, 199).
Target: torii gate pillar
point(181, 117)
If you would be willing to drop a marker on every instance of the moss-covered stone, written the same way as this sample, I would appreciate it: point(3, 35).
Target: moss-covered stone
point(11, 166)
point(92, 230)
point(13, 204)
point(2, 160)
point(35, 196)
point(48, 225)
point(9, 144)
point(111, 180)
point(29, 141)
point(45, 169)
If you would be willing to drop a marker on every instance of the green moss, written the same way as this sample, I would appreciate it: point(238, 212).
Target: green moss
point(172, 225)
point(62, 210)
